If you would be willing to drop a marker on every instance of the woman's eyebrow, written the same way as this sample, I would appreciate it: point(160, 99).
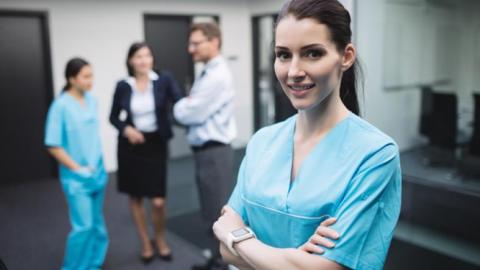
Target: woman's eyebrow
point(306, 47)
point(313, 45)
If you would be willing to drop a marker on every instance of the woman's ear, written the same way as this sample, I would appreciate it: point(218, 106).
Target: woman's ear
point(71, 81)
point(349, 56)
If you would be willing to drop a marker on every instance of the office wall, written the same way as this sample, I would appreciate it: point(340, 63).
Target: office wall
point(435, 42)
point(394, 112)
point(468, 53)
point(101, 31)
point(443, 35)
point(386, 110)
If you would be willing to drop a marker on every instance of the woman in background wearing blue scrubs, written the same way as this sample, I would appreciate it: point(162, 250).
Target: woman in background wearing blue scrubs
point(323, 162)
point(72, 137)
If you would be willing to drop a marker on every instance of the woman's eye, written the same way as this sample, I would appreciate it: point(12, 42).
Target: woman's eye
point(282, 56)
point(314, 54)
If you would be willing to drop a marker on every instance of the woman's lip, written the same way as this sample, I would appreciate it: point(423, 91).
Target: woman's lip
point(299, 93)
point(301, 87)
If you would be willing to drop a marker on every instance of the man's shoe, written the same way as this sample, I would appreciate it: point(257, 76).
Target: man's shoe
point(212, 264)
point(206, 266)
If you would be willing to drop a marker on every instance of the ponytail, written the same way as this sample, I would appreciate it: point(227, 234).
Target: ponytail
point(67, 86)
point(348, 91)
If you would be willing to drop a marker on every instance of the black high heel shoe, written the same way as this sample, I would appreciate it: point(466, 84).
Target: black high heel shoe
point(167, 257)
point(147, 259)
point(164, 257)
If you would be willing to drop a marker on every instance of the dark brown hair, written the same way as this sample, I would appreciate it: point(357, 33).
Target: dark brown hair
point(73, 67)
point(210, 30)
point(337, 19)
point(132, 50)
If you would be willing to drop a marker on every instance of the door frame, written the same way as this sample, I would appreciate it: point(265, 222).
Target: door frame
point(45, 28)
point(43, 15)
point(256, 67)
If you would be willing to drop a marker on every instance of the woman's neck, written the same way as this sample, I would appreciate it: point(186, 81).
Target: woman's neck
point(142, 77)
point(76, 93)
point(317, 121)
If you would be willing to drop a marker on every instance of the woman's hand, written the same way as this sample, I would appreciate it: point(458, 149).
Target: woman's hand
point(85, 172)
point(321, 237)
point(227, 222)
point(133, 135)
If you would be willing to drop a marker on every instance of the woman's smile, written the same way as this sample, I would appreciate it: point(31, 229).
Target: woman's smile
point(300, 90)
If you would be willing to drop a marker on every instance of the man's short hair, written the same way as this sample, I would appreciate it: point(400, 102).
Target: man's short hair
point(210, 30)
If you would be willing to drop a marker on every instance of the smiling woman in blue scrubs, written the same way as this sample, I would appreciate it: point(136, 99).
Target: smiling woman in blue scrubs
point(72, 137)
point(323, 162)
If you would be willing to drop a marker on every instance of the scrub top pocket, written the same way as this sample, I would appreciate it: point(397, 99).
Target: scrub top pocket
point(280, 229)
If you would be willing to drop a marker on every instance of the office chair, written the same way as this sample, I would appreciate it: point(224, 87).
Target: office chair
point(426, 110)
point(440, 127)
point(443, 121)
point(474, 146)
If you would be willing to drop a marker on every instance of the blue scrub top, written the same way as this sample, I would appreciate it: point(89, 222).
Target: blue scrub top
point(75, 128)
point(352, 174)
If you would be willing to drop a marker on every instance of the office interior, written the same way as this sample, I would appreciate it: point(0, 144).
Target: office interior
point(421, 86)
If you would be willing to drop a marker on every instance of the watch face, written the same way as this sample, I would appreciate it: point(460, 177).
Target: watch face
point(240, 232)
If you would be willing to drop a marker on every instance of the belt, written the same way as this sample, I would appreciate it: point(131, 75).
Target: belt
point(207, 145)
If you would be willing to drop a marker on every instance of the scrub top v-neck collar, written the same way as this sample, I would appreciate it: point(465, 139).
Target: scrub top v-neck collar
point(83, 106)
point(291, 142)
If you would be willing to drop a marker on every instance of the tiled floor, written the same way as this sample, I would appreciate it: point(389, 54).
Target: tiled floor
point(34, 225)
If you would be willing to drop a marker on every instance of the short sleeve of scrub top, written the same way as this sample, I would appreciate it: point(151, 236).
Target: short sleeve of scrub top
point(353, 174)
point(367, 215)
point(54, 126)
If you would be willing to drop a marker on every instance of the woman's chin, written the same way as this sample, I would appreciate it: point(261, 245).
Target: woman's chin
point(301, 105)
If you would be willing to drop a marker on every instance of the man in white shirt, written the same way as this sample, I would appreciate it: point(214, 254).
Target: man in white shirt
point(208, 113)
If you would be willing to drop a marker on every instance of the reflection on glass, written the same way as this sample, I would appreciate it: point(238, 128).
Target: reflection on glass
point(265, 85)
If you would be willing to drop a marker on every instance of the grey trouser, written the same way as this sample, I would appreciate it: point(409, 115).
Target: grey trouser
point(215, 181)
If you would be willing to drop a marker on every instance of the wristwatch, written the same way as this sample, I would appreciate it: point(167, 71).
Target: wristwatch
point(237, 236)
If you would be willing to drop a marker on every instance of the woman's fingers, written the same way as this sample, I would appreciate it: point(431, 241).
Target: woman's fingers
point(225, 209)
point(327, 232)
point(322, 241)
point(321, 237)
point(328, 222)
point(312, 248)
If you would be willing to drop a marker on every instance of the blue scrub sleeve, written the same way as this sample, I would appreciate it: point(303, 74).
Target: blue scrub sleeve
point(236, 201)
point(369, 211)
point(54, 126)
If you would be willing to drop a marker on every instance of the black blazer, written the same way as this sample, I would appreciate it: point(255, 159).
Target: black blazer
point(166, 93)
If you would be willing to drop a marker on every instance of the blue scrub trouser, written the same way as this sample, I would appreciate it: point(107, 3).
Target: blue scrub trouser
point(87, 242)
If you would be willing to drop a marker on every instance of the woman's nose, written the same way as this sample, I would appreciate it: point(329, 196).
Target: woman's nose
point(295, 70)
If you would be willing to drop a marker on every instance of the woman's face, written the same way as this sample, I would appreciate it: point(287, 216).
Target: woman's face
point(307, 64)
point(84, 79)
point(142, 61)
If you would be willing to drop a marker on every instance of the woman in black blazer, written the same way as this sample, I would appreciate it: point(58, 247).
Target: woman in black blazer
point(141, 112)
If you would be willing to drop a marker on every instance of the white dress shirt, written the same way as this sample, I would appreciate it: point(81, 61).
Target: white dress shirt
point(142, 105)
point(208, 110)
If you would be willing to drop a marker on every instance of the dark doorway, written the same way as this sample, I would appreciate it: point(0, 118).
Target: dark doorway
point(270, 103)
point(26, 92)
point(168, 37)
